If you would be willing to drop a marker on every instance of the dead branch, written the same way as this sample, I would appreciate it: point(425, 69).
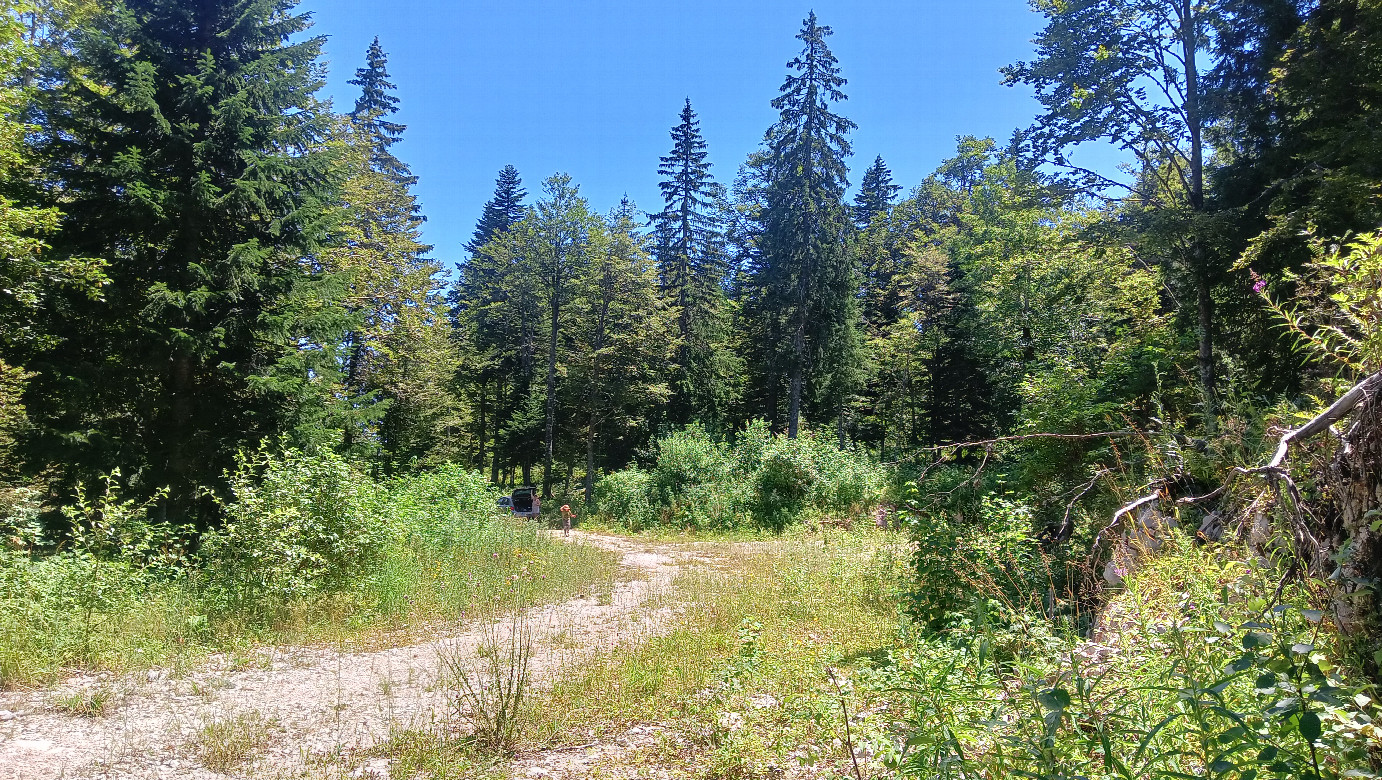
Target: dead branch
point(1356, 395)
point(1321, 422)
point(1031, 436)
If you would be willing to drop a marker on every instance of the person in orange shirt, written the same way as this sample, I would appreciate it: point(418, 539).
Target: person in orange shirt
point(566, 519)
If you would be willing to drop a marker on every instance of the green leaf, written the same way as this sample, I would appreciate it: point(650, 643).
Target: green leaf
point(1266, 682)
point(1054, 699)
point(1283, 706)
point(1312, 615)
point(1309, 726)
point(1254, 640)
point(1221, 766)
point(1267, 755)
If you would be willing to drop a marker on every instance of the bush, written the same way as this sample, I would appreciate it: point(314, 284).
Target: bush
point(623, 498)
point(299, 523)
point(685, 459)
point(443, 509)
point(764, 480)
point(989, 564)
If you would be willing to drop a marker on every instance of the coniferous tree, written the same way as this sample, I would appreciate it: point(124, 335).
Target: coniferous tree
point(807, 274)
point(372, 111)
point(500, 319)
point(876, 193)
point(690, 258)
point(479, 295)
point(190, 154)
point(400, 359)
point(502, 211)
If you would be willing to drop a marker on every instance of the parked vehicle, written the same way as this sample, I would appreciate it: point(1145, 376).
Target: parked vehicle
point(525, 502)
point(505, 502)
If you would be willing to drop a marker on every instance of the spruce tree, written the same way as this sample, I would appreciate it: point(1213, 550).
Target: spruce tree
point(492, 321)
point(372, 111)
point(690, 260)
point(399, 356)
point(807, 272)
point(876, 193)
point(190, 155)
point(502, 211)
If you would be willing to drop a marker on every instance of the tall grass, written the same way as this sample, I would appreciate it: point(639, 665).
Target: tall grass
point(310, 550)
point(737, 673)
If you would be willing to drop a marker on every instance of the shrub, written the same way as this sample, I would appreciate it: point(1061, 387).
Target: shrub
point(990, 563)
point(782, 483)
point(442, 509)
point(685, 459)
point(623, 498)
point(769, 481)
point(299, 523)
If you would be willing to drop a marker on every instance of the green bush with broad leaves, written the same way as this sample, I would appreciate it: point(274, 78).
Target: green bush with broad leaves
point(760, 480)
point(1206, 665)
point(296, 524)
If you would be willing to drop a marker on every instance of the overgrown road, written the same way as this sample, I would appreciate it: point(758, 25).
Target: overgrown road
point(306, 704)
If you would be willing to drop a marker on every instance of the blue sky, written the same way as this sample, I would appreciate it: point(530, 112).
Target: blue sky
point(592, 87)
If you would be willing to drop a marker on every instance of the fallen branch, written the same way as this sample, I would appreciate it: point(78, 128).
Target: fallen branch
point(1321, 422)
point(1356, 395)
point(1031, 436)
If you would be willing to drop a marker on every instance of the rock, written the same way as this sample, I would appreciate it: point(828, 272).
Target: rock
point(763, 701)
point(6, 715)
point(157, 674)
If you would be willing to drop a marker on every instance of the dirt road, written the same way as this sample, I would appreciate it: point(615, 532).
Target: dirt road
point(311, 702)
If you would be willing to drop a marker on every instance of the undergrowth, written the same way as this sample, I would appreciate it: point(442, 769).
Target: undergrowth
point(311, 550)
point(760, 481)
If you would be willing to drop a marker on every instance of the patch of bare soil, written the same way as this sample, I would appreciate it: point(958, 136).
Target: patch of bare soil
point(305, 703)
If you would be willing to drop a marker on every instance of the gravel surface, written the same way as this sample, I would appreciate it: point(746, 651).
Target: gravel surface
point(309, 702)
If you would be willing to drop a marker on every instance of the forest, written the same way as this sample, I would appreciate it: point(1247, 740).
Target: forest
point(235, 381)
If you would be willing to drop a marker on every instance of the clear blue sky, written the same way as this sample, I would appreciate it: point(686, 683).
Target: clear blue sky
point(592, 87)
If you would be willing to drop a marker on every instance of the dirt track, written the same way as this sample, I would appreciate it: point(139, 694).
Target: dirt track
point(319, 701)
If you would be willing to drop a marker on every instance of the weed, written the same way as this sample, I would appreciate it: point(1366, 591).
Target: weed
point(91, 703)
point(487, 691)
point(225, 743)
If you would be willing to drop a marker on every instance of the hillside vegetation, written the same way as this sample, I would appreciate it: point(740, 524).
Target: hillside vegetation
point(1033, 469)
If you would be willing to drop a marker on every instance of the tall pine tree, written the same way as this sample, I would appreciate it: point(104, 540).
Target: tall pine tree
point(400, 358)
point(492, 320)
point(372, 111)
point(502, 211)
point(876, 193)
point(690, 261)
point(807, 273)
point(190, 154)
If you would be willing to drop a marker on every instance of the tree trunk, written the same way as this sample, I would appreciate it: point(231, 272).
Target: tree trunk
point(551, 398)
point(1199, 262)
point(494, 451)
point(794, 398)
point(480, 456)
